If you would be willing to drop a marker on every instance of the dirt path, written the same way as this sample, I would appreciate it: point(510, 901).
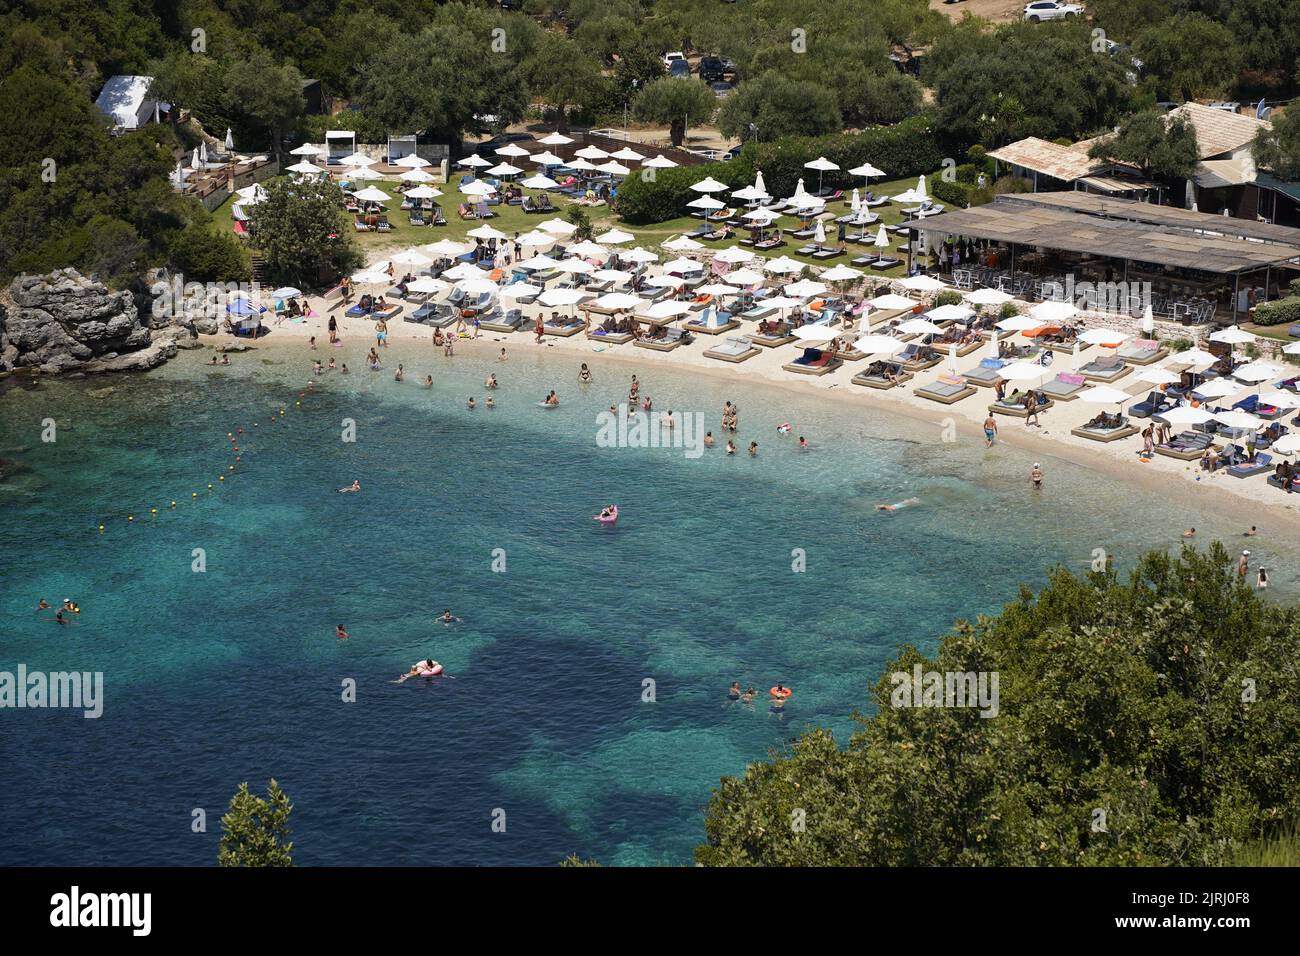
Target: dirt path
point(996, 10)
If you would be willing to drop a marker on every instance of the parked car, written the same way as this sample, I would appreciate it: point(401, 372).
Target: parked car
point(492, 145)
point(679, 68)
point(711, 69)
point(1051, 10)
point(669, 58)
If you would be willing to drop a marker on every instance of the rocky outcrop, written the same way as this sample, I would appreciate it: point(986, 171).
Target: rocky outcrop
point(64, 321)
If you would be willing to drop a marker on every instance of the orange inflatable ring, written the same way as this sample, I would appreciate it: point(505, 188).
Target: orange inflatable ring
point(782, 693)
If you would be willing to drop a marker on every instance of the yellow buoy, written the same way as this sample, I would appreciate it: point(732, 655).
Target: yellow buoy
point(101, 529)
point(173, 504)
point(209, 487)
point(232, 467)
point(153, 511)
point(130, 517)
point(194, 494)
point(221, 477)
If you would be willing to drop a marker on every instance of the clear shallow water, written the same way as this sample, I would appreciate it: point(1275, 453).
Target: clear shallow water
point(234, 674)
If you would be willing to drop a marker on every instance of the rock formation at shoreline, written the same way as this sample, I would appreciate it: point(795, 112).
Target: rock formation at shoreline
point(65, 322)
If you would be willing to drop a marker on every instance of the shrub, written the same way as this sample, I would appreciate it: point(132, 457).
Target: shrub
point(959, 194)
point(1012, 184)
point(641, 201)
point(1008, 310)
point(1278, 312)
point(1295, 287)
point(977, 155)
point(948, 297)
point(312, 128)
point(202, 255)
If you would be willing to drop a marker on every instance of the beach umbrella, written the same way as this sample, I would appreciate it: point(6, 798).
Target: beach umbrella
point(539, 182)
point(505, 169)
point(412, 161)
point(1074, 357)
point(360, 173)
point(819, 234)
point(866, 170)
point(683, 244)
point(749, 193)
point(536, 238)
point(1185, 415)
point(476, 187)
point(709, 185)
point(538, 263)
point(841, 274)
point(882, 238)
point(1255, 372)
point(919, 327)
point(718, 288)
point(987, 297)
point(892, 302)
point(251, 194)
point(952, 358)
point(512, 150)
point(663, 281)
point(371, 277)
point(519, 290)
point(1193, 356)
point(611, 275)
point(1053, 313)
point(559, 297)
point(1103, 337)
point(1148, 321)
point(591, 152)
point(615, 237)
point(1291, 348)
point(478, 286)
point(1279, 398)
point(1232, 336)
point(306, 149)
point(587, 248)
point(683, 265)
point(464, 270)
point(547, 159)
point(244, 307)
point(706, 202)
point(879, 345)
point(286, 292)
point(444, 248)
point(558, 227)
point(195, 162)
point(815, 333)
point(303, 167)
point(916, 194)
point(426, 285)
point(203, 151)
point(411, 258)
point(356, 159)
point(576, 266)
point(666, 310)
point(1287, 444)
point(761, 217)
point(805, 288)
point(744, 277)
point(1236, 418)
point(582, 165)
point(1219, 388)
point(371, 194)
point(950, 313)
point(556, 139)
point(614, 168)
point(423, 192)
point(823, 166)
point(1158, 375)
point(783, 265)
point(486, 232)
point(1024, 371)
point(473, 160)
point(230, 139)
point(659, 162)
point(638, 255)
point(417, 176)
point(627, 154)
point(921, 283)
point(619, 301)
point(1104, 395)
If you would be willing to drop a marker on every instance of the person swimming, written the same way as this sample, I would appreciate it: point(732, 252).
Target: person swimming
point(355, 486)
point(43, 606)
point(552, 398)
point(906, 503)
point(70, 606)
point(448, 617)
point(749, 696)
point(471, 404)
point(490, 381)
point(803, 443)
point(733, 692)
point(584, 374)
point(490, 403)
point(421, 669)
point(340, 633)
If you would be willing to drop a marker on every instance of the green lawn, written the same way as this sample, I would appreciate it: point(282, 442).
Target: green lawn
point(512, 219)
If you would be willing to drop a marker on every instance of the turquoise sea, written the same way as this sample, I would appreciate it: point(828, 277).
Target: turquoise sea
point(235, 673)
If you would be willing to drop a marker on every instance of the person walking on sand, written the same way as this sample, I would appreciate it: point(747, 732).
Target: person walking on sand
point(381, 334)
point(1036, 475)
point(990, 431)
point(1031, 410)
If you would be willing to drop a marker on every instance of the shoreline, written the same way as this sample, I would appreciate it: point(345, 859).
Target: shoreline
point(1247, 500)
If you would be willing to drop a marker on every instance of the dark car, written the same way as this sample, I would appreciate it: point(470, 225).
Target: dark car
point(712, 69)
point(679, 68)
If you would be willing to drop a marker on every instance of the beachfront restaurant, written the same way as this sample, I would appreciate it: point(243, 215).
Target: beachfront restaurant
point(1038, 246)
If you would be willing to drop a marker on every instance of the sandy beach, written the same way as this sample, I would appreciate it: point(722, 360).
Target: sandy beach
point(1249, 500)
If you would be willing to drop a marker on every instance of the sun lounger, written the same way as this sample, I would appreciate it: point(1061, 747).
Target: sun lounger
point(885, 262)
point(1106, 434)
point(987, 374)
point(713, 323)
point(1155, 403)
point(1186, 446)
point(1005, 406)
point(876, 377)
point(771, 341)
point(946, 389)
point(673, 338)
point(1064, 388)
point(614, 338)
point(511, 321)
point(917, 358)
point(1142, 352)
point(566, 327)
point(1260, 464)
point(733, 349)
point(813, 362)
point(1107, 368)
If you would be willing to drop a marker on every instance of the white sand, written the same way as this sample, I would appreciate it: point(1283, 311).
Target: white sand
point(1250, 500)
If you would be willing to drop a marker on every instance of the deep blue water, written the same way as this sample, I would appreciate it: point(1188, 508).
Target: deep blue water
point(235, 674)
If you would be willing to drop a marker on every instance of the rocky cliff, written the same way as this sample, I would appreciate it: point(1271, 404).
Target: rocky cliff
point(64, 322)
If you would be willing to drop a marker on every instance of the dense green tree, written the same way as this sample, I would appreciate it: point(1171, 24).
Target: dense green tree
point(773, 106)
point(563, 75)
point(1175, 61)
point(1162, 147)
point(266, 96)
point(1145, 722)
point(675, 101)
point(299, 229)
point(1277, 147)
point(255, 830)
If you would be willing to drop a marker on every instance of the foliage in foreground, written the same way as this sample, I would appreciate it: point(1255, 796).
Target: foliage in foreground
point(1166, 703)
point(255, 831)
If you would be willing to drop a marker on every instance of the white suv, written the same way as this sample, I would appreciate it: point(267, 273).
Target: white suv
point(1051, 10)
point(669, 57)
